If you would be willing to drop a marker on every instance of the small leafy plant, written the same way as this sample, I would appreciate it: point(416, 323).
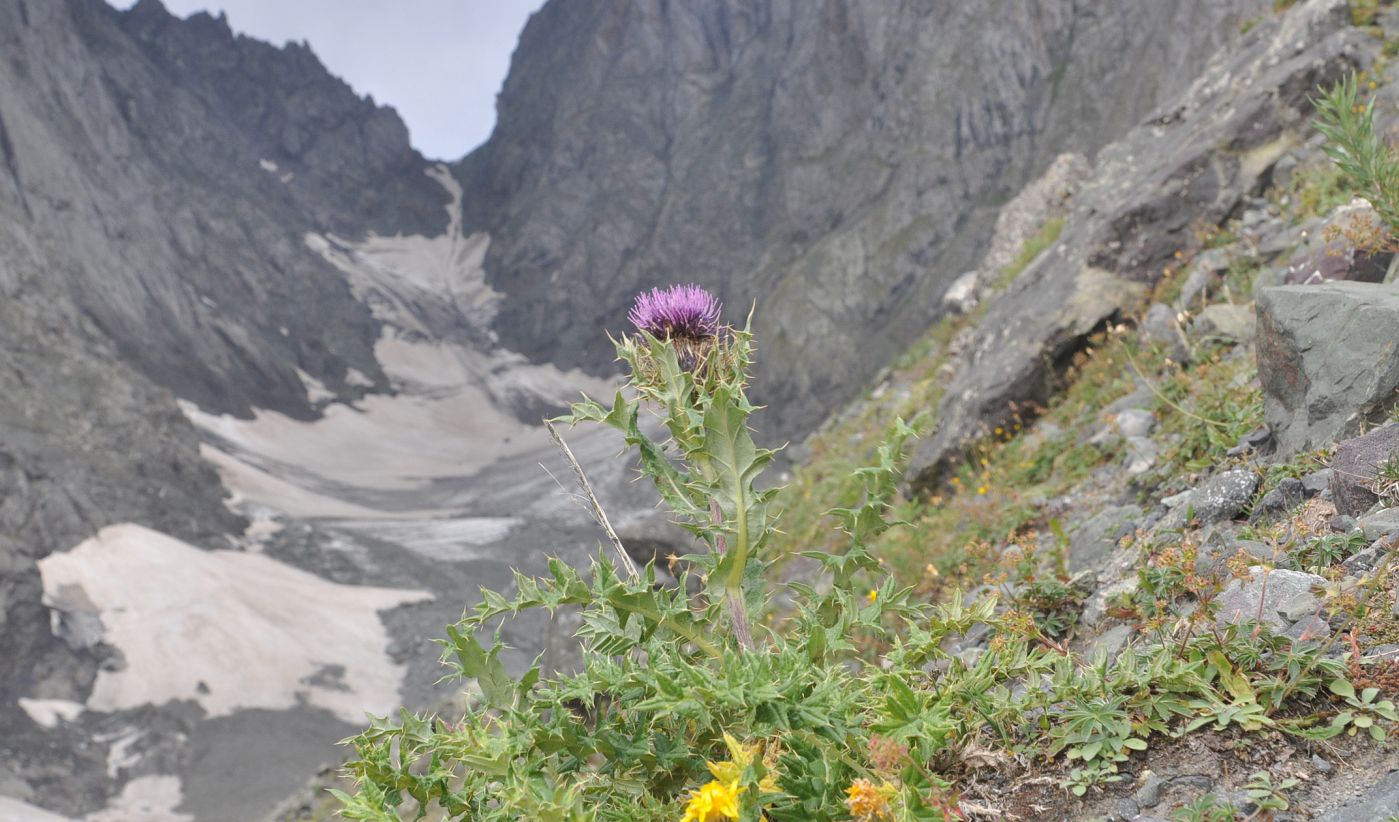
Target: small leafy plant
point(1370, 163)
point(1268, 795)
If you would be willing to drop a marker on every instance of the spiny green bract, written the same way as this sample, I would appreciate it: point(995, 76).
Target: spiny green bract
point(853, 705)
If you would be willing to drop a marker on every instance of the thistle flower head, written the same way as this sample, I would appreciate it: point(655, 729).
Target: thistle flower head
point(678, 311)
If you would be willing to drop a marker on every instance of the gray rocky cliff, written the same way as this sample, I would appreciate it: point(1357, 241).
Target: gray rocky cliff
point(839, 163)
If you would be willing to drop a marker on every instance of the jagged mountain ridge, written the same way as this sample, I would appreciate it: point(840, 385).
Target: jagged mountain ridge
point(837, 163)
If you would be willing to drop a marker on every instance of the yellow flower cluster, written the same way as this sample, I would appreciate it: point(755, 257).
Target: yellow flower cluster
point(714, 802)
point(868, 801)
point(717, 800)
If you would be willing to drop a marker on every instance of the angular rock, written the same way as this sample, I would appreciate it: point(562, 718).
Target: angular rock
point(1206, 273)
point(1141, 456)
point(1149, 794)
point(1355, 465)
point(1131, 217)
point(1316, 482)
point(1135, 423)
point(1096, 538)
point(1289, 494)
point(1378, 802)
point(1380, 524)
point(1264, 595)
point(1328, 360)
point(963, 295)
point(1220, 498)
point(1160, 326)
point(1341, 258)
point(1229, 323)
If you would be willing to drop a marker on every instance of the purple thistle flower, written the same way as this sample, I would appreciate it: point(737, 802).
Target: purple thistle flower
point(687, 312)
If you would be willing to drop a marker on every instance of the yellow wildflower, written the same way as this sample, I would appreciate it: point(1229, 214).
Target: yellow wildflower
point(868, 801)
point(872, 596)
point(931, 570)
point(714, 802)
point(730, 771)
point(982, 489)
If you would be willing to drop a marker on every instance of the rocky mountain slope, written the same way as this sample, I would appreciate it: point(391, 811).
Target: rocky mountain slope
point(840, 163)
point(269, 380)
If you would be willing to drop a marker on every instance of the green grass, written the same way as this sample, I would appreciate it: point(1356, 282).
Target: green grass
point(1047, 236)
point(1314, 190)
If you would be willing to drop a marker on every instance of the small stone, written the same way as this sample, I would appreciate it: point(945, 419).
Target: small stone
point(964, 293)
point(1193, 780)
point(1204, 278)
point(1160, 327)
point(1128, 808)
point(1288, 495)
point(1365, 560)
point(1220, 498)
point(1141, 456)
point(1342, 524)
point(1355, 464)
point(1136, 422)
point(1321, 765)
point(1317, 482)
point(1231, 323)
point(1380, 524)
point(1110, 642)
point(1149, 794)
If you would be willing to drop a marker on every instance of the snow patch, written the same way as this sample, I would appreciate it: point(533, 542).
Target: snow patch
point(13, 810)
point(316, 392)
point(48, 712)
point(145, 799)
point(228, 629)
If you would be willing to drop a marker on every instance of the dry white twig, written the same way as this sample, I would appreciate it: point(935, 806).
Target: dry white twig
point(594, 506)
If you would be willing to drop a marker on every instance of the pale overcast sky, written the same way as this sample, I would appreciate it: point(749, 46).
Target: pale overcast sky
point(438, 62)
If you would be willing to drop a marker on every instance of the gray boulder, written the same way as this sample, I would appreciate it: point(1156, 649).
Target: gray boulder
point(1220, 498)
point(1288, 494)
point(1354, 465)
point(1276, 598)
point(1328, 359)
point(1382, 523)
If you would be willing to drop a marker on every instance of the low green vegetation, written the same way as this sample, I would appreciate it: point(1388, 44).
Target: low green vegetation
point(1368, 162)
point(1047, 236)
